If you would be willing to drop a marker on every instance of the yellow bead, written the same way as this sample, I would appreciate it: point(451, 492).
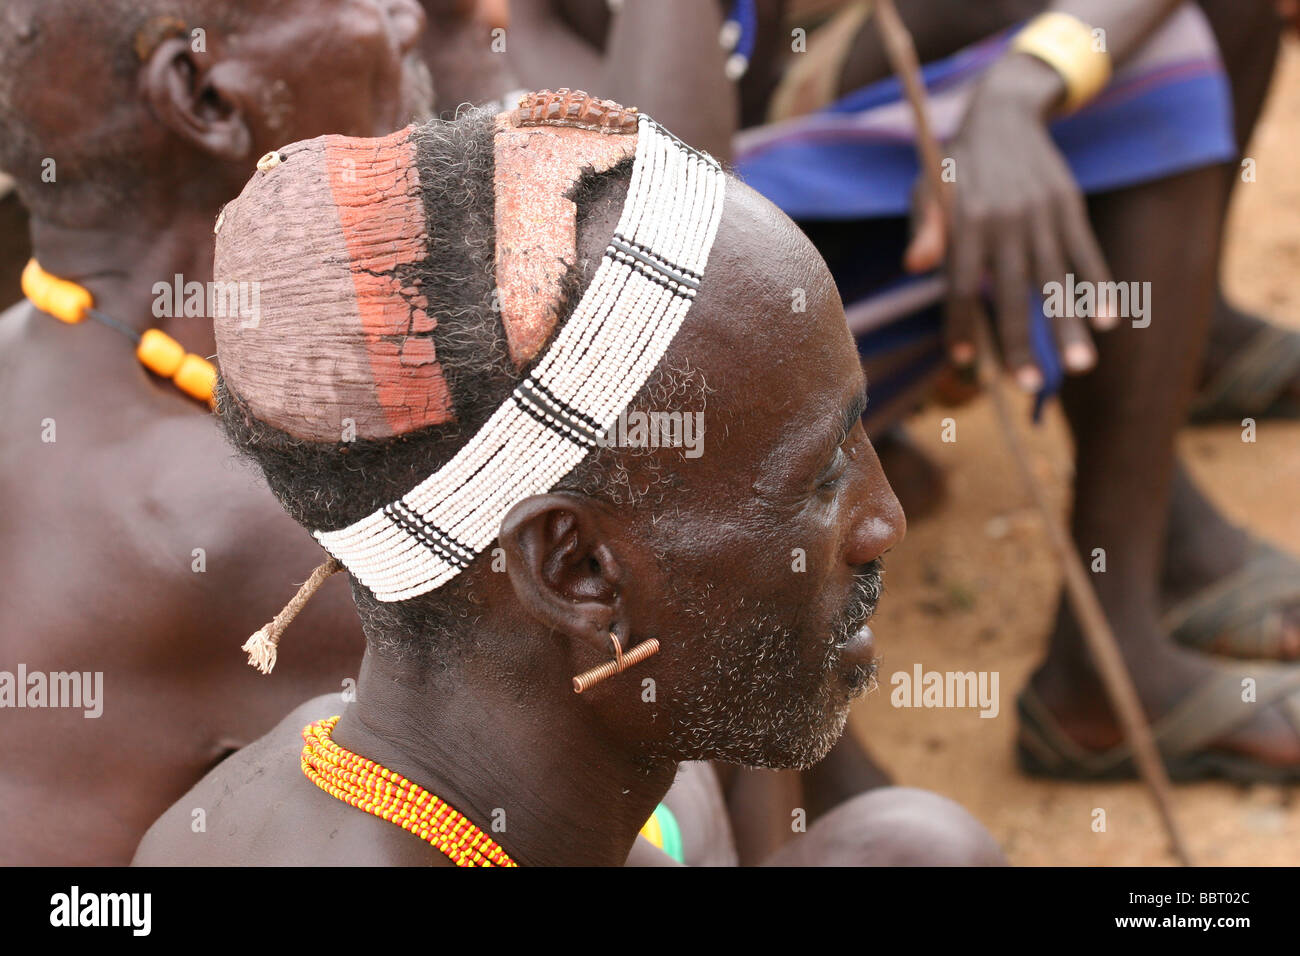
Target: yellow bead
point(196, 377)
point(66, 301)
point(160, 353)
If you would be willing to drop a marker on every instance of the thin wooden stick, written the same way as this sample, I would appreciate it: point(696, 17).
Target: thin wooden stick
point(1083, 599)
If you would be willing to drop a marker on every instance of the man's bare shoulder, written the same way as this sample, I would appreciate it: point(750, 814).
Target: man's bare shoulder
point(250, 809)
point(258, 809)
point(182, 500)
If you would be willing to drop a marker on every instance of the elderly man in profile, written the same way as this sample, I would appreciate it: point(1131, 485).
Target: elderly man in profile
point(552, 626)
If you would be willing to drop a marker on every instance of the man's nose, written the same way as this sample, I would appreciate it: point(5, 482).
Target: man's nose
point(408, 22)
point(879, 523)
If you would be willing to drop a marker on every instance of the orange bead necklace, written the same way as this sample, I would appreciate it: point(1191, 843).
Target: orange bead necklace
point(367, 786)
point(157, 351)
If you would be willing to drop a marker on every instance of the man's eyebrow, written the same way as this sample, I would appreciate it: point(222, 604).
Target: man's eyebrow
point(852, 412)
point(849, 416)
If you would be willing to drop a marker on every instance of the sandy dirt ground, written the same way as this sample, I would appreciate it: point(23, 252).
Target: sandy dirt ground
point(974, 587)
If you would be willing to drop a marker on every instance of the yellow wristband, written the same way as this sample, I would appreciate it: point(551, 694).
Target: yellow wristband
point(1066, 44)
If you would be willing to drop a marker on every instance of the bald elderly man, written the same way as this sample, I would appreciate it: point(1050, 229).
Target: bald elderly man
point(455, 320)
point(131, 543)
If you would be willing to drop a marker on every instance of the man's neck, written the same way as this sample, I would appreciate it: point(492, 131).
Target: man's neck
point(121, 262)
point(539, 775)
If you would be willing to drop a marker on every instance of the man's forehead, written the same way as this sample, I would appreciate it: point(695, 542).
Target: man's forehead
point(766, 279)
point(769, 334)
point(768, 299)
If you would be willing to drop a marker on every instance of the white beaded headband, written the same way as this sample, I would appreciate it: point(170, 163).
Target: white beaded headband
point(601, 357)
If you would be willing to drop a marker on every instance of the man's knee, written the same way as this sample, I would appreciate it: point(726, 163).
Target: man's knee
point(894, 826)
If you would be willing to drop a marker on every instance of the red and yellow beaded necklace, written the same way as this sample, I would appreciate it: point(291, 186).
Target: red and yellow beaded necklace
point(157, 351)
point(367, 786)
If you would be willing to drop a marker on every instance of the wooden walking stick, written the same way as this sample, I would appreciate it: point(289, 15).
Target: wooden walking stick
point(1083, 599)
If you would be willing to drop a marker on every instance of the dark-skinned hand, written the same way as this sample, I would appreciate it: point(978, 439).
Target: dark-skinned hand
point(1018, 216)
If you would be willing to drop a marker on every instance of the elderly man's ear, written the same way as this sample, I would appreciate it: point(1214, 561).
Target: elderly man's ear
point(562, 567)
point(199, 98)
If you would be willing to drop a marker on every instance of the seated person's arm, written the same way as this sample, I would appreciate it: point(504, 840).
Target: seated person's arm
point(1017, 213)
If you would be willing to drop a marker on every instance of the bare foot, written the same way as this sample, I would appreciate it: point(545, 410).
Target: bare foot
point(1164, 675)
point(1215, 573)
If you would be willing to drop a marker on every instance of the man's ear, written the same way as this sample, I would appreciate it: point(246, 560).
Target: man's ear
point(562, 567)
point(188, 93)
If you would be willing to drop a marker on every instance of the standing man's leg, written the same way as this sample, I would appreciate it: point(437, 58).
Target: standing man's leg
point(1124, 417)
